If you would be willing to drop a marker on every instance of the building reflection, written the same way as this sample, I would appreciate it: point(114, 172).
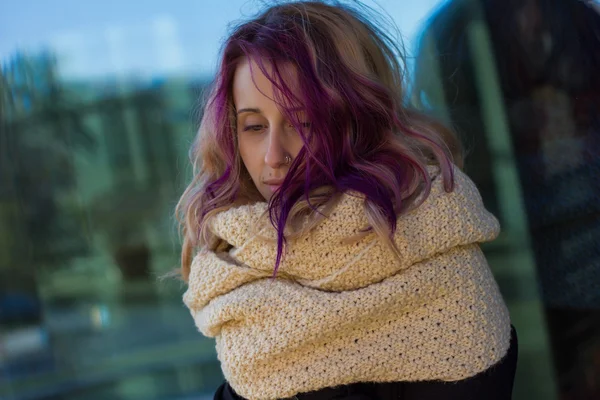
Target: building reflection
point(545, 125)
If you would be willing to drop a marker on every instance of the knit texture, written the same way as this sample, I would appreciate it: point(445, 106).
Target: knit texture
point(343, 313)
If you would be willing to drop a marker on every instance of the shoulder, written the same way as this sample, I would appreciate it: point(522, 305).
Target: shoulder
point(453, 207)
point(455, 186)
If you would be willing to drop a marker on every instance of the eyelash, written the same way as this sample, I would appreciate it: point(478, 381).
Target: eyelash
point(252, 127)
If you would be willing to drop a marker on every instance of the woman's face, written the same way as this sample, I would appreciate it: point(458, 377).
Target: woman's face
point(265, 136)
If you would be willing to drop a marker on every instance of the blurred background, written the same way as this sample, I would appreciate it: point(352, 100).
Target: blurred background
point(99, 102)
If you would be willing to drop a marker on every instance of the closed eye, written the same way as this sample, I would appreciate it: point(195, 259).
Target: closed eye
point(253, 128)
point(303, 124)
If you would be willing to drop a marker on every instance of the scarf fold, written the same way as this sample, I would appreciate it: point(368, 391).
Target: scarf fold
point(342, 313)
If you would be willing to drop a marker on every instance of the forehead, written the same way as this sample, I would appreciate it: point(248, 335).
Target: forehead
point(251, 87)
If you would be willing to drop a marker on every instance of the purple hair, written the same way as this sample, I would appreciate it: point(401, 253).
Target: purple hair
point(361, 137)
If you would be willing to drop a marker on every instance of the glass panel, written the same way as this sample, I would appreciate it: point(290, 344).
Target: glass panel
point(518, 81)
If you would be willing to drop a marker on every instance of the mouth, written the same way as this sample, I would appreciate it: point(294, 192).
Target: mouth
point(273, 184)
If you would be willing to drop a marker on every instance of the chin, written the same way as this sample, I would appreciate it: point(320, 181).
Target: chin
point(266, 195)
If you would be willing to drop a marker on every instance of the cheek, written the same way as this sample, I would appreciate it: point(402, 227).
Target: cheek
point(251, 157)
point(296, 146)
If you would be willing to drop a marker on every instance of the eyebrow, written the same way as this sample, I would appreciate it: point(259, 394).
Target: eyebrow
point(258, 111)
point(252, 110)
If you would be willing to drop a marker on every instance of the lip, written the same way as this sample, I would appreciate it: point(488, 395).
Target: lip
point(273, 184)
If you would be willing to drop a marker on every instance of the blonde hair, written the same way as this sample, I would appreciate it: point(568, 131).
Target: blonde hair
point(362, 138)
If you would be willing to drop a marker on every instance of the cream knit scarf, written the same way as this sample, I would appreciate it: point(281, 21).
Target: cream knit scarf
point(343, 313)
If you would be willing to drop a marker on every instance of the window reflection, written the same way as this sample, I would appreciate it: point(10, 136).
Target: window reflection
point(527, 102)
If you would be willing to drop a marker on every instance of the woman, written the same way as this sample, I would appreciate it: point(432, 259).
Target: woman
point(331, 244)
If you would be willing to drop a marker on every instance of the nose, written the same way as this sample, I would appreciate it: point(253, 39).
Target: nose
point(275, 152)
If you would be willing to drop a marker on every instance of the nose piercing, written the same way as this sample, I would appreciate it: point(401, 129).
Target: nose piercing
point(288, 159)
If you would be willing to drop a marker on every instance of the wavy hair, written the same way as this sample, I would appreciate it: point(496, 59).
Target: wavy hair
point(362, 139)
